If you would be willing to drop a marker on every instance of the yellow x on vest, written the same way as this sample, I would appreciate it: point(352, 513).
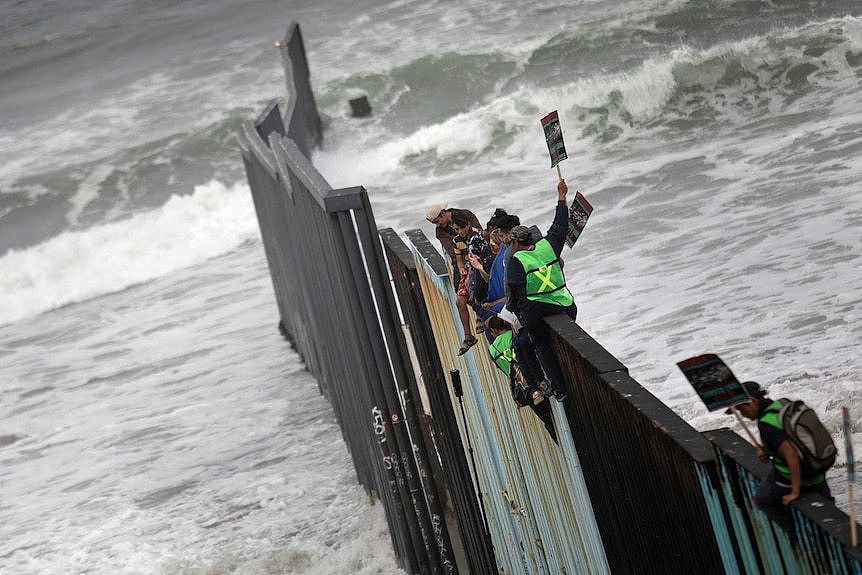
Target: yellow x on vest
point(546, 279)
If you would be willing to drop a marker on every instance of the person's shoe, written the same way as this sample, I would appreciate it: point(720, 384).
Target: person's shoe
point(469, 342)
point(560, 395)
point(545, 387)
point(538, 397)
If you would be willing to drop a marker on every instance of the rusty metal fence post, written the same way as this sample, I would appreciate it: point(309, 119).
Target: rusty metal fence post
point(435, 415)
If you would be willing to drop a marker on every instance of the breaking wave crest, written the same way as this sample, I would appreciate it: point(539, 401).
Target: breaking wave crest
point(79, 265)
point(730, 83)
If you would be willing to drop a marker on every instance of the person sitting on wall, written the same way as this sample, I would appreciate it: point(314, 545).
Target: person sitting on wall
point(785, 482)
point(495, 296)
point(470, 242)
point(494, 222)
point(537, 286)
point(441, 217)
point(524, 391)
point(499, 227)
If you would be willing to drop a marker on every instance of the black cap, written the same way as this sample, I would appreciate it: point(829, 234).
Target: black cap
point(754, 391)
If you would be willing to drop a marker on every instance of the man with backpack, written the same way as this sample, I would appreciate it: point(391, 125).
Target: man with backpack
point(800, 448)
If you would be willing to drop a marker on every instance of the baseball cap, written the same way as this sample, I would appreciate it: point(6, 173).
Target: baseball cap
point(522, 235)
point(754, 391)
point(434, 210)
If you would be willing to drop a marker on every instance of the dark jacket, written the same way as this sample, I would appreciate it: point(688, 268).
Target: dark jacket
point(516, 277)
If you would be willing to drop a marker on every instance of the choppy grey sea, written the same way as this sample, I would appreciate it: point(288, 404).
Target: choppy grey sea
point(152, 420)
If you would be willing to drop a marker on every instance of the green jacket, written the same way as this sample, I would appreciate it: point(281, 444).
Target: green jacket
point(770, 416)
point(545, 279)
point(502, 352)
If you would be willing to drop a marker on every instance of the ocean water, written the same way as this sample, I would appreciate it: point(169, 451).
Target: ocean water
point(151, 418)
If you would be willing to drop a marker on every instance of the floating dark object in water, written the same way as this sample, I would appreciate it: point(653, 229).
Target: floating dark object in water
point(359, 107)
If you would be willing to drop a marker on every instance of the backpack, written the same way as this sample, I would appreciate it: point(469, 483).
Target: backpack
point(809, 437)
point(518, 386)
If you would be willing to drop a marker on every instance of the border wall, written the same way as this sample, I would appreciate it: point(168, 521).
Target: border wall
point(469, 482)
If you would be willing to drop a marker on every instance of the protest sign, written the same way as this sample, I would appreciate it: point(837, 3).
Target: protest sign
point(579, 213)
point(713, 381)
point(554, 139)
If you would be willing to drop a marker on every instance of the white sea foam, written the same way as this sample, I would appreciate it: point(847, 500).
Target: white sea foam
point(76, 266)
point(383, 161)
point(156, 435)
point(88, 190)
point(152, 419)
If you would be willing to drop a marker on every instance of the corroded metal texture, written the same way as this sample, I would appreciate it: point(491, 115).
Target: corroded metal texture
point(438, 425)
point(469, 481)
point(531, 489)
point(341, 320)
point(640, 461)
point(303, 121)
point(824, 530)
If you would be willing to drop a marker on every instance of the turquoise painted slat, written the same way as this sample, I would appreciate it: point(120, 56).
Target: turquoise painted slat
point(765, 539)
point(714, 507)
point(593, 556)
point(534, 493)
point(482, 435)
point(738, 522)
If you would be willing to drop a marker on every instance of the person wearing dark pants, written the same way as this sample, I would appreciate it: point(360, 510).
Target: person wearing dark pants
point(521, 383)
point(537, 287)
point(771, 495)
point(785, 482)
point(535, 346)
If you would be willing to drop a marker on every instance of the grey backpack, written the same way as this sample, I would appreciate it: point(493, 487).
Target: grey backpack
point(806, 433)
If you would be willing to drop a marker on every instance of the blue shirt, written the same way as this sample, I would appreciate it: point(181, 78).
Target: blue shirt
point(497, 280)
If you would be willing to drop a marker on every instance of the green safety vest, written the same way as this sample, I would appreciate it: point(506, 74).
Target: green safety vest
point(771, 417)
point(502, 352)
point(545, 280)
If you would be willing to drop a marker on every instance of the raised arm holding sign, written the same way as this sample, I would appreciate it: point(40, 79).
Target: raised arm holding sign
point(580, 210)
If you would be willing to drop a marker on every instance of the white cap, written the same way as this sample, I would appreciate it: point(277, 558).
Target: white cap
point(434, 210)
